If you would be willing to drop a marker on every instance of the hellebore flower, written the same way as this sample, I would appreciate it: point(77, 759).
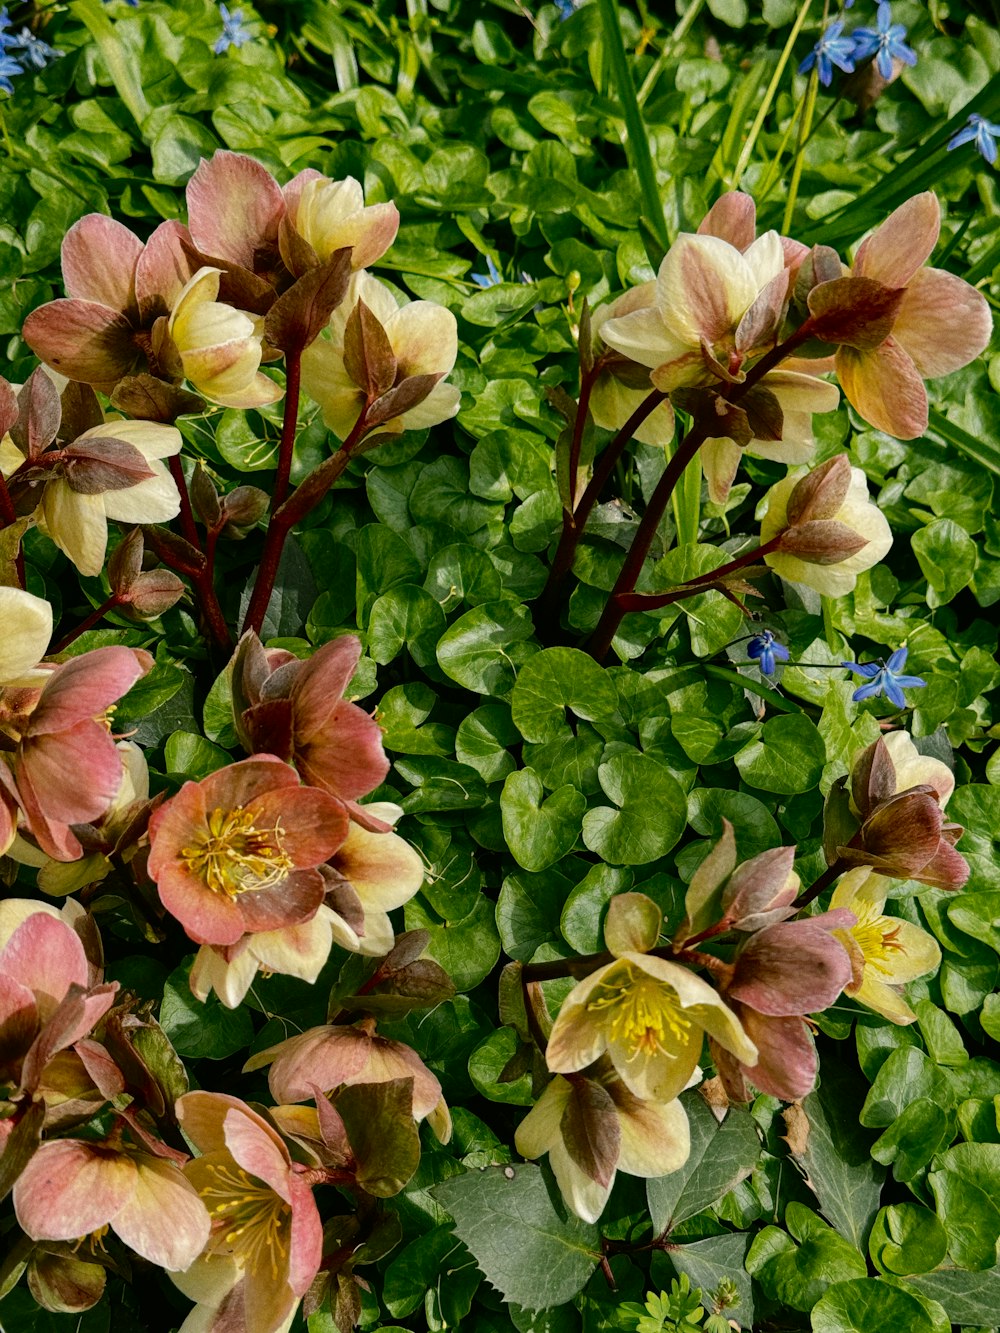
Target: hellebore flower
point(885, 952)
point(782, 973)
point(826, 527)
point(117, 289)
point(65, 766)
point(908, 323)
point(266, 1240)
point(299, 950)
point(395, 367)
point(724, 896)
point(983, 133)
point(766, 651)
point(234, 30)
point(624, 384)
point(27, 629)
point(884, 678)
point(830, 50)
point(219, 346)
point(592, 1127)
point(51, 996)
point(297, 710)
point(72, 1187)
point(885, 42)
point(651, 1016)
point(237, 852)
point(239, 214)
point(369, 875)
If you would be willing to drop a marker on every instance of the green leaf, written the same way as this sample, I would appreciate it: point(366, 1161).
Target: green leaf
point(755, 827)
point(553, 681)
point(482, 741)
point(966, 1186)
point(968, 1298)
point(907, 1075)
point(483, 649)
point(869, 1305)
point(539, 832)
point(523, 1238)
point(787, 758)
point(650, 815)
point(716, 1259)
point(722, 1154)
point(405, 615)
point(583, 914)
point(462, 574)
point(467, 949)
point(488, 1062)
point(978, 915)
point(947, 556)
point(191, 755)
point(200, 1031)
point(379, 1121)
point(528, 911)
point(419, 1266)
point(907, 1238)
point(909, 1143)
point(799, 1274)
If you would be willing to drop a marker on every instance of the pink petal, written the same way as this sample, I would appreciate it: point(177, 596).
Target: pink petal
point(234, 207)
point(164, 1220)
point(313, 824)
point(176, 824)
point(258, 1152)
point(733, 218)
point(885, 387)
point(203, 1118)
point(69, 1189)
point(306, 1250)
point(379, 224)
point(208, 917)
point(895, 250)
point(794, 967)
point(70, 777)
point(165, 266)
point(76, 1016)
point(323, 1057)
point(82, 340)
point(295, 899)
point(18, 1018)
point(99, 258)
point(46, 956)
point(239, 784)
point(786, 1066)
point(292, 192)
point(347, 757)
point(320, 684)
point(942, 322)
point(83, 688)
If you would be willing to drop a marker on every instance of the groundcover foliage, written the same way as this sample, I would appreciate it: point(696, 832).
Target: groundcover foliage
point(497, 666)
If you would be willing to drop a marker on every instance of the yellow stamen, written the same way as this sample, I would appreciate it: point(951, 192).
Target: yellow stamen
point(642, 1013)
point(877, 937)
point(248, 1216)
point(237, 857)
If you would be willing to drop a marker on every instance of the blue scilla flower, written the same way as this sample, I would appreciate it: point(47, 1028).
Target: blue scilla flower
point(766, 651)
point(983, 133)
point(884, 678)
point(491, 278)
point(9, 69)
point(31, 50)
point(884, 42)
point(234, 30)
point(566, 9)
point(830, 50)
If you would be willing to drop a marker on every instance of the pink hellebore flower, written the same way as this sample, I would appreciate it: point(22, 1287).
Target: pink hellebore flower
point(266, 1239)
point(297, 710)
point(237, 852)
point(238, 213)
point(65, 767)
point(72, 1188)
point(624, 384)
point(51, 996)
point(27, 623)
point(941, 323)
point(783, 972)
point(117, 289)
point(219, 346)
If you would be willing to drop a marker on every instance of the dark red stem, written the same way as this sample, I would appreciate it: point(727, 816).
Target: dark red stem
point(289, 422)
point(820, 885)
point(93, 619)
point(637, 601)
point(9, 515)
point(188, 529)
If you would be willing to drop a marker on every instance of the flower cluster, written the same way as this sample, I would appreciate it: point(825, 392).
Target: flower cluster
point(884, 45)
point(21, 51)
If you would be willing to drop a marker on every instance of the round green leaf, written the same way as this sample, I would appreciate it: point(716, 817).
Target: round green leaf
point(787, 757)
point(483, 649)
point(869, 1305)
point(650, 815)
point(539, 832)
point(551, 682)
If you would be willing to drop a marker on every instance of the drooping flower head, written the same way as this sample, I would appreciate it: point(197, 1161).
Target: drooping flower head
point(767, 652)
point(237, 852)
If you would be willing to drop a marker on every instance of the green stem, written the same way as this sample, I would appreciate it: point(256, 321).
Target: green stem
point(637, 142)
point(669, 48)
point(769, 95)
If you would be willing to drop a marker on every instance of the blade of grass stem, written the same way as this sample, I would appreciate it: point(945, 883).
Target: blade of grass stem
point(769, 96)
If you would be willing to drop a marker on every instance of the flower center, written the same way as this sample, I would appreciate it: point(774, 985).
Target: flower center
point(642, 1014)
point(238, 857)
point(877, 937)
point(248, 1216)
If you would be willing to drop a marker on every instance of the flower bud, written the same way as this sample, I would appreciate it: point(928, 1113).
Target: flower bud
point(243, 509)
point(632, 924)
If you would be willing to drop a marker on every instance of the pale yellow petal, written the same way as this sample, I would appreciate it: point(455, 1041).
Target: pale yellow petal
point(27, 629)
point(77, 524)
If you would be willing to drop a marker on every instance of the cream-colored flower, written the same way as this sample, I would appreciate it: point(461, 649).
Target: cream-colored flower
point(651, 1016)
point(27, 629)
point(379, 872)
point(300, 950)
point(646, 1139)
point(885, 951)
point(331, 214)
point(620, 389)
point(219, 346)
point(423, 337)
point(857, 512)
point(914, 769)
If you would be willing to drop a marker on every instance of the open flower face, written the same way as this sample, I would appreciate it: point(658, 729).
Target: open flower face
point(423, 338)
point(71, 1188)
point(862, 523)
point(941, 323)
point(237, 852)
point(219, 346)
point(651, 1017)
point(885, 951)
point(594, 1127)
point(266, 1238)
